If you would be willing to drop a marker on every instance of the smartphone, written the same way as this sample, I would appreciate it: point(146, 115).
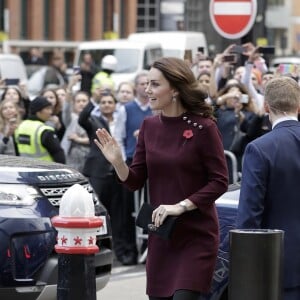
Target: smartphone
point(12, 81)
point(244, 98)
point(231, 58)
point(76, 69)
point(200, 49)
point(266, 50)
point(238, 49)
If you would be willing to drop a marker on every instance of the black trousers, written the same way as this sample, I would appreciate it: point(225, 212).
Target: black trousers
point(129, 232)
point(181, 295)
point(129, 229)
point(291, 293)
point(110, 193)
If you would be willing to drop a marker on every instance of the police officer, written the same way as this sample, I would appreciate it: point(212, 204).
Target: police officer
point(34, 138)
point(103, 78)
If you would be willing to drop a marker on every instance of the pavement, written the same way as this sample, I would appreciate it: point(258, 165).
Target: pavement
point(126, 283)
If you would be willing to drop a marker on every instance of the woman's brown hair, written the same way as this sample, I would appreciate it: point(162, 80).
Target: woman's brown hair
point(191, 94)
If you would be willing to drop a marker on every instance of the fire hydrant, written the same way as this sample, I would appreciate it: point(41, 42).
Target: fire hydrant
point(76, 245)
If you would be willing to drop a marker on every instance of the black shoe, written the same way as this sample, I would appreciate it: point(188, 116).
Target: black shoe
point(128, 260)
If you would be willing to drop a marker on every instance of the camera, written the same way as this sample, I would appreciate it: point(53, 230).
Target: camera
point(12, 81)
point(266, 50)
point(231, 58)
point(244, 98)
point(76, 69)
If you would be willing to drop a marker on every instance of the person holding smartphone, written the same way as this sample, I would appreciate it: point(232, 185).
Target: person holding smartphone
point(252, 75)
point(234, 111)
point(10, 118)
point(18, 96)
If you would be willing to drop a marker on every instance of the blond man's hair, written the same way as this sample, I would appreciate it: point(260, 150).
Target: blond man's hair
point(282, 94)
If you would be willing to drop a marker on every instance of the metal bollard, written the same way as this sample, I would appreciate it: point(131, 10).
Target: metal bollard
point(76, 245)
point(255, 269)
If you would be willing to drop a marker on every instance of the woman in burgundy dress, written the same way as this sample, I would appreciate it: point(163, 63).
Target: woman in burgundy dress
point(180, 153)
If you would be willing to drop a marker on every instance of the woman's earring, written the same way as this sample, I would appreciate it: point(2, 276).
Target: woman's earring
point(174, 98)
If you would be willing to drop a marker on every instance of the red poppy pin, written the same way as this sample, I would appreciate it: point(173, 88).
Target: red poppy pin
point(188, 134)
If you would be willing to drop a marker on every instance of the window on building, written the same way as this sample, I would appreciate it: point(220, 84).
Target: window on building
point(147, 15)
point(67, 20)
point(194, 16)
point(47, 9)
point(24, 28)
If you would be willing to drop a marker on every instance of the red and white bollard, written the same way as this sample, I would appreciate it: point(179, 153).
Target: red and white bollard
point(77, 228)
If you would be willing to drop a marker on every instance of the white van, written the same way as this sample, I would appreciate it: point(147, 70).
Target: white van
point(174, 43)
point(132, 56)
point(12, 67)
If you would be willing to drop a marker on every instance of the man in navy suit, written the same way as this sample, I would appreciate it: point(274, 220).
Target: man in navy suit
point(270, 189)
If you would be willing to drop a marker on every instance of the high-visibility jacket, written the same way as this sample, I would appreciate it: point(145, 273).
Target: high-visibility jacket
point(28, 139)
point(103, 80)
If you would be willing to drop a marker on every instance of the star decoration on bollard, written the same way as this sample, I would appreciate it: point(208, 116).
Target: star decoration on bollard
point(91, 240)
point(77, 240)
point(63, 240)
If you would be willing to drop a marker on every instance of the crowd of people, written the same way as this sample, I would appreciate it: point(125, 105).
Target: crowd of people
point(60, 124)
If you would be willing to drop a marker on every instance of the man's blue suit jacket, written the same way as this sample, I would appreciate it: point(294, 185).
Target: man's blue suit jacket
point(270, 191)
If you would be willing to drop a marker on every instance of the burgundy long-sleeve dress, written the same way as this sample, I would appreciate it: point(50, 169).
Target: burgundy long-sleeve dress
point(182, 157)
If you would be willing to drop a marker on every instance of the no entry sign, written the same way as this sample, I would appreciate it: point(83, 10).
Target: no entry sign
point(232, 19)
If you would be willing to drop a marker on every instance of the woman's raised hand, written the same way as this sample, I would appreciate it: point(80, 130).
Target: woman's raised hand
point(109, 147)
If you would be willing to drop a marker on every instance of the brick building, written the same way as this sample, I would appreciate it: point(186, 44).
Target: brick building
point(69, 20)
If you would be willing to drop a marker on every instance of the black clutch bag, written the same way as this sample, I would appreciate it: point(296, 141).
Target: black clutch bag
point(144, 220)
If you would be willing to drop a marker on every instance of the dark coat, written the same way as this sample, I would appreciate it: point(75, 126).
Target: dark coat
point(96, 164)
point(270, 191)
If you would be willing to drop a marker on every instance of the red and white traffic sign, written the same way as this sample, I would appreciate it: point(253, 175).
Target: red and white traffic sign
point(233, 19)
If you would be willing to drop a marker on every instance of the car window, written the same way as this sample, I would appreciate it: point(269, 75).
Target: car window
point(127, 58)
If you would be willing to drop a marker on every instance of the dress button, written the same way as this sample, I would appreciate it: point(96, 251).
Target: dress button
point(189, 121)
point(195, 124)
point(184, 118)
point(200, 126)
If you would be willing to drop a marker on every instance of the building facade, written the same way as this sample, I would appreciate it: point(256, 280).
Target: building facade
point(69, 20)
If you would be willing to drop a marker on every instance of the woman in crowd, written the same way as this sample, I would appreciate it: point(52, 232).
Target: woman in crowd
point(15, 94)
point(61, 93)
point(180, 153)
point(234, 106)
point(235, 110)
point(10, 118)
point(75, 141)
point(56, 119)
